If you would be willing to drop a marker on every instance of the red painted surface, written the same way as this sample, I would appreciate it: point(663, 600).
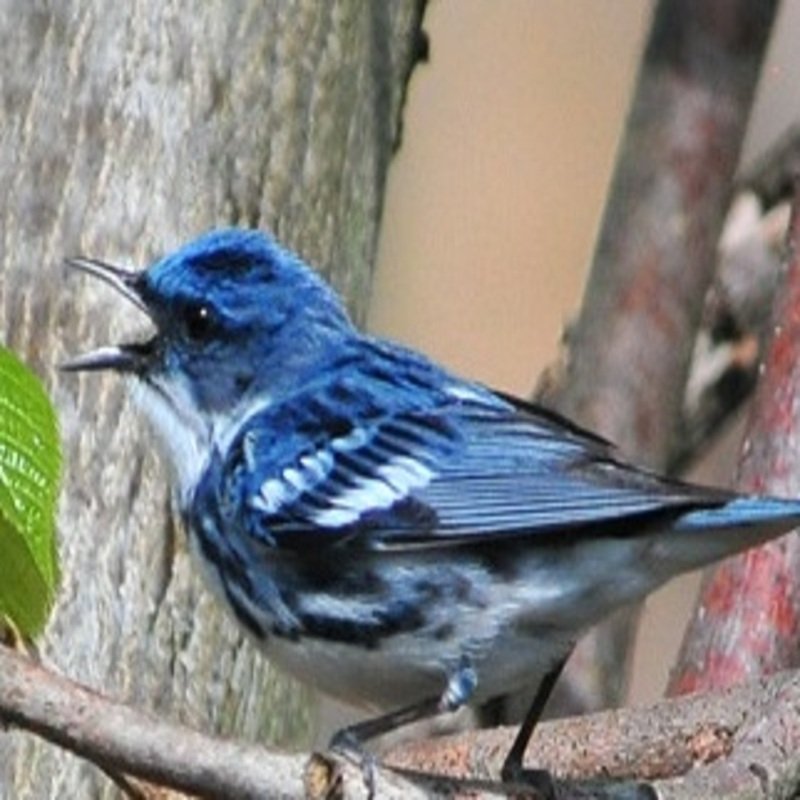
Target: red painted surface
point(747, 621)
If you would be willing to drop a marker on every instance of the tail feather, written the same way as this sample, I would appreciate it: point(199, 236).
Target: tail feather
point(745, 512)
point(715, 533)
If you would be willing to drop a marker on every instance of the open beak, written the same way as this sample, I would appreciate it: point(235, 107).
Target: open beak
point(126, 357)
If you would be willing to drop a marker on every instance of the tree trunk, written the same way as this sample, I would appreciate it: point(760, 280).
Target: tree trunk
point(124, 130)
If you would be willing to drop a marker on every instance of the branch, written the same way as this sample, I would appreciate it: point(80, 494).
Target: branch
point(630, 350)
point(120, 739)
point(732, 741)
point(736, 744)
point(747, 621)
point(655, 259)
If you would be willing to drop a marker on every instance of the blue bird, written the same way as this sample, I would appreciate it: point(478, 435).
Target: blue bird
point(397, 536)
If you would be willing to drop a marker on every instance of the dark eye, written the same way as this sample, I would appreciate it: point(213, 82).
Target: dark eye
point(198, 322)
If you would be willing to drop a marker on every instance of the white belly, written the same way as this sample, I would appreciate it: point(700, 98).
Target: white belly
point(512, 626)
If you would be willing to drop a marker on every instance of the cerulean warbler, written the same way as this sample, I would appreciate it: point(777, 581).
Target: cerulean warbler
point(395, 535)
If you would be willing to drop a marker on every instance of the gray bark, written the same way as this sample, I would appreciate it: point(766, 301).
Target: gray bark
point(125, 129)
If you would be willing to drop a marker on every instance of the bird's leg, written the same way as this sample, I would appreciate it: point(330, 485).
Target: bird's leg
point(512, 770)
point(540, 780)
point(458, 691)
point(350, 740)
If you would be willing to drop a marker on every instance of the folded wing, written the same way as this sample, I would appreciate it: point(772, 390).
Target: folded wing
point(440, 468)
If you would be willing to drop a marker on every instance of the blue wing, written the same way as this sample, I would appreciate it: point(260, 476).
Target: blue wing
point(392, 452)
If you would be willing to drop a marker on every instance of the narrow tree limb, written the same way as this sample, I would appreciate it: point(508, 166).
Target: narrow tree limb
point(747, 621)
point(739, 743)
point(737, 311)
point(630, 350)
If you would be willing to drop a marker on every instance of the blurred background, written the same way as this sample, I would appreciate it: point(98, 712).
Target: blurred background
point(497, 191)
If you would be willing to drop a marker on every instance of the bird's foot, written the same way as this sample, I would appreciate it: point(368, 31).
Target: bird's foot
point(347, 744)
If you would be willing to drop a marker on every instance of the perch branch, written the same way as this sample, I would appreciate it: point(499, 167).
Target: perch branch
point(709, 742)
point(121, 739)
point(738, 743)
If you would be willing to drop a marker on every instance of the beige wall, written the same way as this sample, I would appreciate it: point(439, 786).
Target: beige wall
point(496, 193)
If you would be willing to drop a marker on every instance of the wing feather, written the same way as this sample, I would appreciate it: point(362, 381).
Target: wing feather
point(441, 467)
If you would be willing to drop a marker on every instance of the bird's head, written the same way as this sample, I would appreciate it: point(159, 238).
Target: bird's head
point(238, 320)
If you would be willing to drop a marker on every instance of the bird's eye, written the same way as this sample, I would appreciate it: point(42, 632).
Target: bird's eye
point(198, 322)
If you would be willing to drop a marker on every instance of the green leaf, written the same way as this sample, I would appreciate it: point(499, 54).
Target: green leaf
point(30, 465)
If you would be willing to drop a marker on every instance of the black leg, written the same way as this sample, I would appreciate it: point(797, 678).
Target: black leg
point(459, 689)
point(352, 738)
point(539, 779)
point(513, 771)
point(350, 741)
point(460, 686)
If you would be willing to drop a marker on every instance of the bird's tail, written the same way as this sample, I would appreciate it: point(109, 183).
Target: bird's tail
point(745, 512)
point(740, 524)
